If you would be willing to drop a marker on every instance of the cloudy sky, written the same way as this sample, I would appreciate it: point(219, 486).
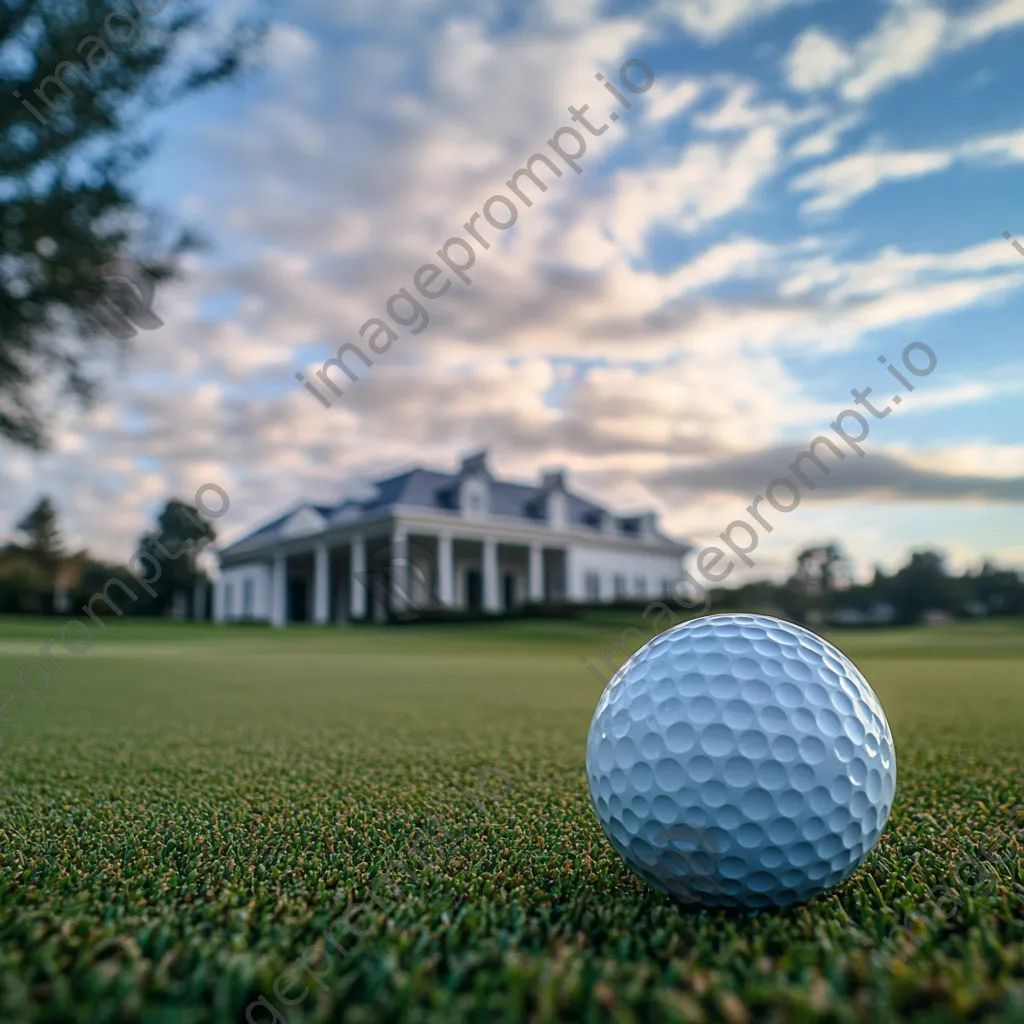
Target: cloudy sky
point(807, 185)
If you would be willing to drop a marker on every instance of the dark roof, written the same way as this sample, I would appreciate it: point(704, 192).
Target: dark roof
point(267, 530)
point(424, 488)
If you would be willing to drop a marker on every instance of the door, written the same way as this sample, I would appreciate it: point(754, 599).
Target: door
point(509, 592)
point(474, 590)
point(297, 604)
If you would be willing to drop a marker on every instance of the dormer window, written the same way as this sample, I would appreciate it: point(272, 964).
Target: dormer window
point(474, 496)
point(558, 510)
point(643, 527)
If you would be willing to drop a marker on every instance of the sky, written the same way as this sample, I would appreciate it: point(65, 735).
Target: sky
point(803, 187)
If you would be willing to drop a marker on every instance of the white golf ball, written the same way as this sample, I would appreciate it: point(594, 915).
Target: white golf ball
point(741, 761)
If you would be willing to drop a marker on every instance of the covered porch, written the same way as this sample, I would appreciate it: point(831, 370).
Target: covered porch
point(403, 572)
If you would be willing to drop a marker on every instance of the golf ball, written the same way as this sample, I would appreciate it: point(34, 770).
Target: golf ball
point(741, 761)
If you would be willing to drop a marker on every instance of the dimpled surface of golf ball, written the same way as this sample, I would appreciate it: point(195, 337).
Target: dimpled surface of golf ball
point(740, 761)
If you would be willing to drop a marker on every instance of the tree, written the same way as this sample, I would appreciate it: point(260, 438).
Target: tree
point(75, 80)
point(1000, 591)
point(181, 535)
point(41, 529)
point(820, 572)
point(924, 585)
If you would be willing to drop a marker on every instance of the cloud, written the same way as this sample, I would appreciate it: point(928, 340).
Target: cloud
point(712, 20)
point(893, 270)
point(825, 140)
point(1006, 148)
point(743, 110)
point(987, 19)
point(909, 39)
point(877, 476)
point(644, 317)
point(709, 181)
point(673, 99)
point(815, 61)
point(288, 47)
point(837, 184)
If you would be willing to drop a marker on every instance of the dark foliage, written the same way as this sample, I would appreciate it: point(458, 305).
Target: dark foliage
point(69, 206)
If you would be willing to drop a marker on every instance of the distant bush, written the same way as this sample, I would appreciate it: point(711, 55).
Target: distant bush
point(25, 588)
point(433, 616)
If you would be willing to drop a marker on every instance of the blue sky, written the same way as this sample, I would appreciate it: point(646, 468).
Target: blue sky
point(806, 185)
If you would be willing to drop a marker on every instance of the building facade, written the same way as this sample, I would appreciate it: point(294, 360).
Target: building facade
point(459, 541)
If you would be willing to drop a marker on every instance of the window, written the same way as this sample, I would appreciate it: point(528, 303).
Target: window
point(247, 595)
point(593, 586)
point(640, 586)
point(473, 498)
point(620, 585)
point(667, 587)
point(229, 600)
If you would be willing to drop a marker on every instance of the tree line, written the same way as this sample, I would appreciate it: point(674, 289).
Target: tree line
point(39, 575)
point(821, 589)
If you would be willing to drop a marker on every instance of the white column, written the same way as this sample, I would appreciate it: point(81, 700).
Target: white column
point(574, 590)
point(445, 570)
point(321, 585)
point(398, 567)
point(492, 595)
point(357, 579)
point(279, 591)
point(536, 585)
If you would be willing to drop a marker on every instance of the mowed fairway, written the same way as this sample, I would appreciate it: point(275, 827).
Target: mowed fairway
point(194, 807)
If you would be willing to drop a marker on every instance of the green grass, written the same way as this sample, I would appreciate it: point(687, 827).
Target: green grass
point(195, 806)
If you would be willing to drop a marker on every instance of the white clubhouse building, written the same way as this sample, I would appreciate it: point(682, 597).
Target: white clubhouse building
point(428, 540)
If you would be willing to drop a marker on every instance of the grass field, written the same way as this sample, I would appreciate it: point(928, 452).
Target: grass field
point(195, 807)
